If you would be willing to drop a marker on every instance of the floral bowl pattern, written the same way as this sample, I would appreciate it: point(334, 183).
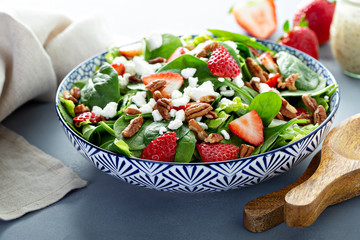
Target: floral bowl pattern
point(201, 177)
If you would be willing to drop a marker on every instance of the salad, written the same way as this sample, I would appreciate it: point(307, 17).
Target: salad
point(202, 98)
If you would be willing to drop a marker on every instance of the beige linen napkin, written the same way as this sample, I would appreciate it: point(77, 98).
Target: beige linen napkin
point(36, 51)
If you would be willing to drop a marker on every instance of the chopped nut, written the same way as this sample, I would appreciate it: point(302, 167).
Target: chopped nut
point(133, 127)
point(255, 85)
point(75, 92)
point(255, 69)
point(305, 116)
point(319, 114)
point(208, 47)
point(214, 138)
point(286, 110)
point(207, 98)
point(309, 102)
point(79, 109)
point(163, 105)
point(211, 115)
point(198, 131)
point(157, 60)
point(157, 95)
point(134, 79)
point(68, 96)
point(246, 150)
point(156, 85)
point(248, 84)
point(280, 116)
point(254, 51)
point(290, 81)
point(281, 85)
point(197, 110)
point(131, 111)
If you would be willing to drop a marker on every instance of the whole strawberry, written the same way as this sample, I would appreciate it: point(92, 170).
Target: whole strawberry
point(222, 64)
point(216, 152)
point(319, 14)
point(302, 38)
point(161, 149)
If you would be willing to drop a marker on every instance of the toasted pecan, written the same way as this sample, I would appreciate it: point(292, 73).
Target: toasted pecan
point(319, 114)
point(133, 127)
point(163, 105)
point(156, 85)
point(255, 69)
point(214, 138)
point(198, 131)
point(197, 110)
point(246, 150)
point(309, 102)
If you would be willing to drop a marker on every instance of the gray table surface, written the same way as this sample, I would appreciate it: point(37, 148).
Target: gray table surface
point(111, 209)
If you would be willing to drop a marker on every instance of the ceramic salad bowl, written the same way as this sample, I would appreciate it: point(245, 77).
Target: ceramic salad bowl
point(200, 177)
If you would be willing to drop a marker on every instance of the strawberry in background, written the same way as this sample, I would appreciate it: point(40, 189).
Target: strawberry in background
point(257, 17)
point(302, 38)
point(319, 14)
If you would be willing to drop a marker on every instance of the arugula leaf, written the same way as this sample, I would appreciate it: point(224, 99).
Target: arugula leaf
point(152, 131)
point(185, 148)
point(267, 105)
point(102, 88)
point(169, 44)
point(80, 84)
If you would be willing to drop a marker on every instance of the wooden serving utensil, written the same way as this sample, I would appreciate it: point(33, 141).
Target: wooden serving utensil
point(336, 179)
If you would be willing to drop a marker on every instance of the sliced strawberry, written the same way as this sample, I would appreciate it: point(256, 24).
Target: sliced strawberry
point(300, 111)
point(85, 118)
point(222, 64)
point(161, 149)
point(132, 50)
point(177, 53)
point(248, 127)
point(173, 82)
point(183, 107)
point(119, 67)
point(256, 17)
point(268, 62)
point(272, 82)
point(216, 152)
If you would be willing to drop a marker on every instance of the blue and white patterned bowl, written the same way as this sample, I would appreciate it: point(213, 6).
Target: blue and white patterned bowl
point(201, 177)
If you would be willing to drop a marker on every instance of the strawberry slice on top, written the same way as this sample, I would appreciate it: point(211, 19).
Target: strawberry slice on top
point(248, 127)
point(216, 152)
point(132, 50)
point(177, 53)
point(161, 149)
point(257, 17)
point(174, 81)
point(222, 64)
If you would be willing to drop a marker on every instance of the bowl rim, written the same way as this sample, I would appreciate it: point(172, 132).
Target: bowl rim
point(336, 95)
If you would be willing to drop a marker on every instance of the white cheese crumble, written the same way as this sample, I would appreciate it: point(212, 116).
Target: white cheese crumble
point(142, 67)
point(130, 67)
point(271, 75)
point(181, 101)
point(198, 119)
point(162, 130)
point(232, 45)
point(139, 98)
point(172, 113)
point(154, 41)
point(195, 93)
point(152, 102)
point(157, 116)
point(238, 80)
point(227, 93)
point(193, 81)
point(188, 72)
point(224, 101)
point(225, 134)
point(124, 80)
point(263, 87)
point(175, 124)
point(256, 79)
point(180, 115)
point(176, 94)
point(221, 79)
point(109, 110)
point(146, 108)
point(120, 59)
point(203, 125)
point(133, 106)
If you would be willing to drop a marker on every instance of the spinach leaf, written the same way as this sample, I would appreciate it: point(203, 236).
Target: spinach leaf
point(92, 133)
point(80, 84)
point(68, 119)
point(267, 105)
point(107, 128)
point(102, 88)
point(244, 93)
point(169, 44)
point(307, 80)
point(225, 35)
point(320, 89)
point(69, 106)
point(185, 148)
point(119, 146)
point(152, 131)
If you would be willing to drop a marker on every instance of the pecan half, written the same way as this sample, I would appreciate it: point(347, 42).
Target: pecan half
point(319, 114)
point(79, 109)
point(197, 110)
point(133, 127)
point(68, 96)
point(134, 79)
point(131, 111)
point(198, 131)
point(281, 85)
point(75, 92)
point(157, 95)
point(163, 105)
point(246, 150)
point(211, 115)
point(208, 47)
point(156, 85)
point(287, 109)
point(280, 116)
point(255, 69)
point(290, 81)
point(309, 102)
point(255, 85)
point(254, 51)
point(156, 60)
point(207, 98)
point(248, 84)
point(214, 138)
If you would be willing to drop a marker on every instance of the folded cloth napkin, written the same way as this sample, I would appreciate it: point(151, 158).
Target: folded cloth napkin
point(37, 50)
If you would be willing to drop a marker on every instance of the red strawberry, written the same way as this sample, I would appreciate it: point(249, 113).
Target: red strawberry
point(86, 117)
point(301, 38)
point(216, 152)
point(131, 50)
point(119, 67)
point(222, 64)
point(319, 14)
point(161, 149)
point(272, 82)
point(256, 17)
point(300, 111)
point(173, 82)
point(177, 53)
point(248, 127)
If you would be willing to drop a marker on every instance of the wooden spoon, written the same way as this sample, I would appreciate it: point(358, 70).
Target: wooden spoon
point(336, 179)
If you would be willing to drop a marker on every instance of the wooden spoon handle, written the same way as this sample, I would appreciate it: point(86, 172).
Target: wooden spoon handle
point(266, 211)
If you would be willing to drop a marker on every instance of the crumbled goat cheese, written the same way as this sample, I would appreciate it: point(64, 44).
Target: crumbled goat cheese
point(227, 93)
point(97, 110)
point(109, 110)
point(238, 80)
point(224, 101)
point(221, 79)
point(157, 116)
point(133, 106)
point(130, 67)
point(152, 102)
point(271, 75)
point(256, 79)
point(176, 94)
point(232, 45)
point(193, 81)
point(198, 119)
point(180, 115)
point(142, 67)
point(203, 125)
point(162, 130)
point(139, 98)
point(207, 88)
point(181, 101)
point(120, 59)
point(263, 87)
point(188, 72)
point(154, 41)
point(223, 88)
point(124, 80)
point(175, 124)
point(146, 108)
point(225, 134)
point(172, 113)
